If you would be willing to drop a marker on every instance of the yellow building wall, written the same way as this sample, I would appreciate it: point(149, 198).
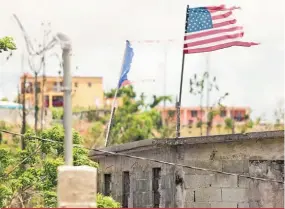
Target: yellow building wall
point(83, 95)
point(87, 96)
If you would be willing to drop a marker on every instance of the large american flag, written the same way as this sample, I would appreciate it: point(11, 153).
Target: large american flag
point(212, 28)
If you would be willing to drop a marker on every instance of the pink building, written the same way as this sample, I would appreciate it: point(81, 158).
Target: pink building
point(192, 115)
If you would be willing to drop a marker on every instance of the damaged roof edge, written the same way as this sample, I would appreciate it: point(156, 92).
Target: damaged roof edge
point(151, 143)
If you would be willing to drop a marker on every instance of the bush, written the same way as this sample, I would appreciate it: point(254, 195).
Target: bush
point(250, 124)
point(106, 202)
point(199, 124)
point(57, 113)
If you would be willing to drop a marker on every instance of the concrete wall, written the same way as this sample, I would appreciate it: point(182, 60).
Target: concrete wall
point(14, 116)
point(257, 154)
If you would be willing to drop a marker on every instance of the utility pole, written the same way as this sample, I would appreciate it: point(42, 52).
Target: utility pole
point(23, 89)
point(67, 103)
point(23, 130)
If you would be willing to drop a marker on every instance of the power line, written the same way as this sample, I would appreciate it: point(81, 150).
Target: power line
point(150, 159)
point(23, 161)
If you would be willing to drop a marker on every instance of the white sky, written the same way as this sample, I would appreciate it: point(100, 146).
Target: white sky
point(253, 76)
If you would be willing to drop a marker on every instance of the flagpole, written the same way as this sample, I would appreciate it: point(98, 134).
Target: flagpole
point(114, 100)
point(178, 104)
point(208, 92)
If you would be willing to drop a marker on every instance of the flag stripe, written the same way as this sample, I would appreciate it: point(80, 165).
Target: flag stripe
point(216, 39)
point(226, 23)
point(221, 16)
point(211, 32)
point(220, 46)
point(212, 28)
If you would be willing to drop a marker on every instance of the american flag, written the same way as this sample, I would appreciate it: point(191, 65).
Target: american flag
point(212, 28)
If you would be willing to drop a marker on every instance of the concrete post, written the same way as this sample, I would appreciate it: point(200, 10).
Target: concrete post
point(77, 187)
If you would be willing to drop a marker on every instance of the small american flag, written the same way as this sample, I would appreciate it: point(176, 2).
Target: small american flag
point(212, 28)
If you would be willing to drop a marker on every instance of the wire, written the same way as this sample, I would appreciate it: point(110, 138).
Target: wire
point(150, 159)
point(25, 159)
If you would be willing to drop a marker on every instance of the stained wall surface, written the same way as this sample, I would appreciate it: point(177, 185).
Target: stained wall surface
point(142, 183)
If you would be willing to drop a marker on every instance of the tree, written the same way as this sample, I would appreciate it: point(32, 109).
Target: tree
point(197, 87)
point(7, 43)
point(4, 99)
point(135, 119)
point(228, 124)
point(35, 185)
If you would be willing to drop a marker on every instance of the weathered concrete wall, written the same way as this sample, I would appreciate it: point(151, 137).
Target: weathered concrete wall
point(14, 116)
point(261, 156)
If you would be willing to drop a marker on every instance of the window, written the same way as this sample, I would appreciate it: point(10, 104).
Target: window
point(107, 184)
point(223, 113)
point(57, 101)
point(194, 113)
point(155, 186)
point(89, 84)
point(126, 189)
point(76, 84)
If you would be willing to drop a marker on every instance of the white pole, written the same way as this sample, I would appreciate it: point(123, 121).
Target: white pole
point(67, 103)
point(114, 100)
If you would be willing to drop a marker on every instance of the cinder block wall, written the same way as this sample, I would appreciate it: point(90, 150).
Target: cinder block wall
point(262, 157)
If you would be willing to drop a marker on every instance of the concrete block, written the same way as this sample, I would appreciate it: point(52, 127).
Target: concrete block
point(208, 194)
point(209, 164)
point(243, 205)
point(233, 166)
point(223, 205)
point(246, 166)
point(234, 195)
point(197, 205)
point(243, 182)
point(254, 204)
point(77, 186)
point(167, 198)
point(221, 180)
point(197, 181)
point(142, 185)
point(167, 182)
point(189, 163)
point(189, 195)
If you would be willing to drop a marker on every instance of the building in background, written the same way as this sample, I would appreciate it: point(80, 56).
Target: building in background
point(86, 91)
point(192, 115)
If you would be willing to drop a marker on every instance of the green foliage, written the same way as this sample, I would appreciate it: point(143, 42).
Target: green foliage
point(135, 120)
point(199, 124)
point(7, 43)
point(228, 124)
point(125, 91)
point(39, 173)
point(4, 99)
point(57, 113)
point(106, 202)
point(250, 124)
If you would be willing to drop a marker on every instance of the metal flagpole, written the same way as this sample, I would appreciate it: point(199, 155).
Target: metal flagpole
point(178, 104)
point(114, 100)
point(208, 91)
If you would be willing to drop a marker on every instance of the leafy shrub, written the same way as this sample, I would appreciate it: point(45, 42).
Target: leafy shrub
point(57, 113)
point(106, 202)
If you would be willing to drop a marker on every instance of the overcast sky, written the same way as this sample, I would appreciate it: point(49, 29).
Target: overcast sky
point(253, 76)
